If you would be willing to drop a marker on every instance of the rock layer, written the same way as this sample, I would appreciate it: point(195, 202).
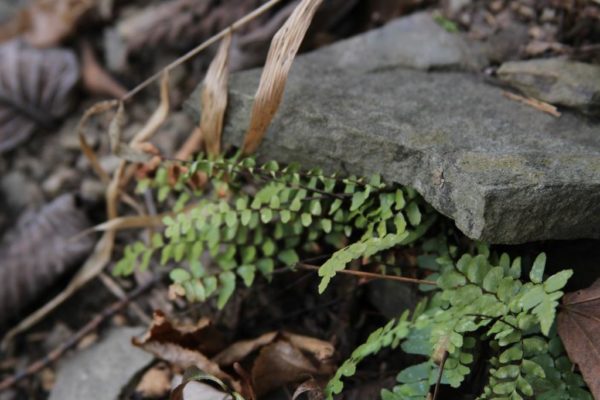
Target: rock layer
point(505, 172)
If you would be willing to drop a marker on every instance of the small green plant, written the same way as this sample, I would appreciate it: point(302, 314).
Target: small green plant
point(481, 310)
point(254, 219)
point(259, 218)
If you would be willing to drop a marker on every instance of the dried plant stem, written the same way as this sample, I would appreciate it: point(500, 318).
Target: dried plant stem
point(236, 25)
point(89, 327)
point(370, 275)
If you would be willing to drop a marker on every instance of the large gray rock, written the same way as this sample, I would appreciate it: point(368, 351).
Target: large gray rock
point(505, 172)
point(101, 372)
point(416, 41)
point(557, 81)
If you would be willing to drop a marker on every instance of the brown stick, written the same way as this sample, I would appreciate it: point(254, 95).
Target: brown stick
point(439, 378)
point(89, 327)
point(537, 104)
point(371, 275)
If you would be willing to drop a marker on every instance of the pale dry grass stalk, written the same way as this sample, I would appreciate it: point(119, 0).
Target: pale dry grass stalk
point(282, 52)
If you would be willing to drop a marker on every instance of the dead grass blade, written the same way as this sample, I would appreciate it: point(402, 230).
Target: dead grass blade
point(158, 117)
point(89, 153)
point(214, 98)
point(282, 52)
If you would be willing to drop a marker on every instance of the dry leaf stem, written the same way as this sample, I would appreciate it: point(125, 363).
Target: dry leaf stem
point(370, 275)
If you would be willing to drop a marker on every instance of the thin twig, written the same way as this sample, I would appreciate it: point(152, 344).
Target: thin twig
point(535, 103)
point(370, 275)
point(55, 354)
point(236, 25)
point(439, 378)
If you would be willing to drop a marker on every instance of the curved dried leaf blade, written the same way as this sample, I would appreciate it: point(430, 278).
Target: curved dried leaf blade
point(39, 251)
point(284, 48)
point(35, 89)
point(579, 328)
point(214, 98)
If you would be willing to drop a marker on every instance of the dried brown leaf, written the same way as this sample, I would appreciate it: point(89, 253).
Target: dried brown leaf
point(579, 328)
point(87, 150)
point(39, 251)
point(214, 98)
point(240, 350)
point(51, 21)
point(282, 52)
point(312, 388)
point(158, 117)
point(95, 78)
point(279, 364)
point(320, 349)
point(36, 88)
point(185, 346)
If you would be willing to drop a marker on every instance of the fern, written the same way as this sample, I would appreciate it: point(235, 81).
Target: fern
point(254, 219)
point(480, 303)
point(259, 218)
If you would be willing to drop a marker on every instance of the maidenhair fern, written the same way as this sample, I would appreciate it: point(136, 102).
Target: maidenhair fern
point(258, 218)
point(484, 306)
point(251, 220)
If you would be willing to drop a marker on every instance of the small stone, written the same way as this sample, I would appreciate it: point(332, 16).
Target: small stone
point(92, 190)
point(556, 81)
point(101, 371)
point(59, 180)
point(19, 191)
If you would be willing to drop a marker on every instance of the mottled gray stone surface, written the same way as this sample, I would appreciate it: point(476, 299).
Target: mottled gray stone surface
point(415, 41)
point(101, 372)
point(557, 81)
point(505, 172)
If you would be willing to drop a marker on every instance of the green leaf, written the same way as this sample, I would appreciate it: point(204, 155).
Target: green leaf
point(247, 273)
point(415, 373)
point(245, 217)
point(358, 199)
point(557, 281)
point(288, 257)
point(266, 215)
point(306, 219)
point(179, 275)
point(285, 215)
point(413, 213)
point(326, 225)
point(537, 271)
point(532, 297)
point(227, 287)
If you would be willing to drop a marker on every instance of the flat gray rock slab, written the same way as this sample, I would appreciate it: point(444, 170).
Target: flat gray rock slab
point(505, 172)
point(101, 372)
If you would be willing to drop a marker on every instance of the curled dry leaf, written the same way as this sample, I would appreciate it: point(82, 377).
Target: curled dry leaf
point(312, 388)
point(579, 328)
point(185, 345)
point(279, 364)
point(214, 98)
point(39, 252)
point(284, 48)
point(36, 88)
